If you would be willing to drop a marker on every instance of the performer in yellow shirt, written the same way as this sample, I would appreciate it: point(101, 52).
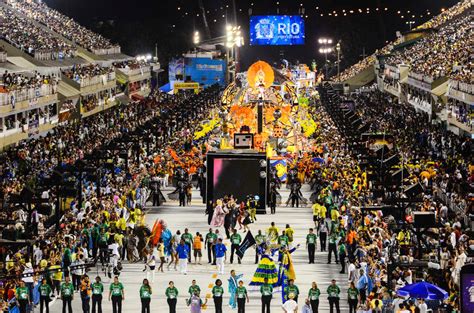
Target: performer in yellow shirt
point(273, 232)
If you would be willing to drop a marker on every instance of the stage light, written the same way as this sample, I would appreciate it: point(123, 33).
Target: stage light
point(148, 57)
point(263, 163)
point(329, 41)
point(263, 174)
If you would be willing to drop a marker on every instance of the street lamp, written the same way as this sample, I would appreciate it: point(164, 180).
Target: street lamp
point(325, 49)
point(196, 38)
point(234, 40)
point(410, 23)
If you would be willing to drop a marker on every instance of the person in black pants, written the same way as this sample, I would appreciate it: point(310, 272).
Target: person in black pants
point(117, 295)
point(145, 296)
point(45, 294)
point(266, 290)
point(97, 290)
point(311, 244)
point(323, 233)
point(235, 239)
point(171, 295)
point(217, 292)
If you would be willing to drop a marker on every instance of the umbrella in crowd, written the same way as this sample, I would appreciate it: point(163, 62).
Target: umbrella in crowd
point(423, 290)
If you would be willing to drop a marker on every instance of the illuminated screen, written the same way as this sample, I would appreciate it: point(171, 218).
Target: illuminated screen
point(277, 30)
point(239, 177)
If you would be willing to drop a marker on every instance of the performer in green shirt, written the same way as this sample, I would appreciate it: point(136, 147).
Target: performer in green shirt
point(188, 240)
point(235, 240)
point(267, 293)
point(292, 289)
point(241, 295)
point(313, 296)
point(259, 239)
point(67, 294)
point(194, 288)
point(352, 297)
point(171, 296)
point(45, 294)
point(311, 245)
point(283, 239)
point(211, 240)
point(145, 296)
point(23, 296)
point(117, 295)
point(97, 291)
point(217, 292)
point(333, 296)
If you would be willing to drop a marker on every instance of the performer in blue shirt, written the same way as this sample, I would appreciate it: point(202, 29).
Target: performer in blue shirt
point(183, 252)
point(220, 250)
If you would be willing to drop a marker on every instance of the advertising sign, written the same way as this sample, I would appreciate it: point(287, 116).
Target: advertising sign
point(277, 30)
point(206, 71)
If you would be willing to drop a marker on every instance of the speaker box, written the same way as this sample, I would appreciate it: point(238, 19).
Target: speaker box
point(414, 190)
point(424, 219)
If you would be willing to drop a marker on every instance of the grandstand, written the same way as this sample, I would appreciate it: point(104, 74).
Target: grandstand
point(53, 70)
point(429, 67)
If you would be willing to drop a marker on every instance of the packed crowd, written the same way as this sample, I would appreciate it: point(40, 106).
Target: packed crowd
point(451, 41)
point(15, 87)
point(442, 53)
point(65, 26)
point(34, 40)
point(441, 162)
point(103, 217)
point(83, 73)
point(130, 64)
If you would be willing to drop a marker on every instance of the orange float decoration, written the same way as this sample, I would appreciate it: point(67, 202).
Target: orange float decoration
point(260, 73)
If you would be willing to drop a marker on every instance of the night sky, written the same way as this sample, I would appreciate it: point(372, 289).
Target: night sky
point(138, 25)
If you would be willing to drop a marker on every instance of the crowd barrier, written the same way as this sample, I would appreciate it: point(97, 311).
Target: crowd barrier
point(461, 86)
point(53, 55)
point(95, 80)
point(27, 94)
point(106, 51)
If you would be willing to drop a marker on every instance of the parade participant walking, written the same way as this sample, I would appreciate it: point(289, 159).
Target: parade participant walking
point(283, 239)
point(292, 290)
point(235, 239)
point(188, 240)
point(313, 296)
point(220, 251)
point(67, 294)
point(45, 293)
point(289, 232)
point(217, 293)
point(260, 239)
point(352, 297)
point(342, 256)
point(197, 248)
point(233, 284)
point(97, 291)
point(116, 295)
point(311, 245)
point(333, 296)
point(272, 233)
point(86, 291)
point(266, 291)
point(323, 233)
point(23, 296)
point(161, 254)
point(241, 296)
point(171, 296)
point(145, 296)
point(210, 241)
point(332, 246)
point(183, 252)
point(194, 288)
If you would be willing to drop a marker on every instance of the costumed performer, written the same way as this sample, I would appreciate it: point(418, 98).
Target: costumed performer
point(266, 268)
point(219, 215)
point(233, 284)
point(286, 270)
